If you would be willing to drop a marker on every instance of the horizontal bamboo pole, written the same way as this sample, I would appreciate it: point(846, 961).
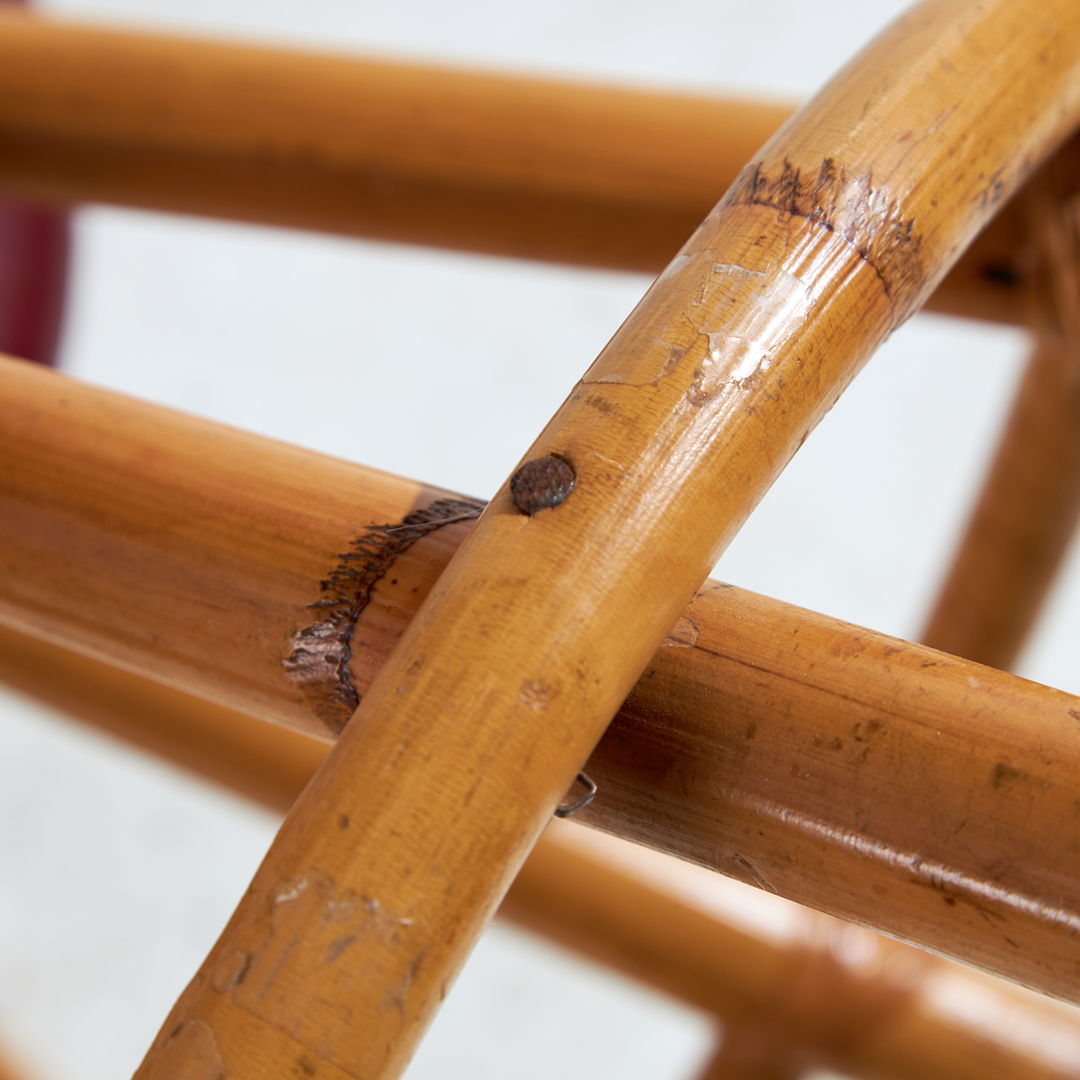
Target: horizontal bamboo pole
point(806, 1001)
point(571, 172)
point(857, 773)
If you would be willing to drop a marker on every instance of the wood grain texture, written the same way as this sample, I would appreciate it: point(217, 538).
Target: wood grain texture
point(183, 550)
point(346, 941)
point(861, 774)
point(836, 995)
point(571, 172)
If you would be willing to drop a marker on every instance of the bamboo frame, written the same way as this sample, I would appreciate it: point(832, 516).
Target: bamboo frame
point(692, 422)
point(764, 740)
point(678, 414)
point(872, 1020)
point(568, 172)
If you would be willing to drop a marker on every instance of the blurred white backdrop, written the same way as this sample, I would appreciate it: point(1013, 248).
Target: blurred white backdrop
point(117, 872)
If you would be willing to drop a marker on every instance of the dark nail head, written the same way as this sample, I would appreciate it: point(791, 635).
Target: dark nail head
point(542, 483)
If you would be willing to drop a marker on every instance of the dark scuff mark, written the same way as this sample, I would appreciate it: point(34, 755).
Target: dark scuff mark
point(873, 224)
point(321, 652)
point(1003, 774)
point(1000, 273)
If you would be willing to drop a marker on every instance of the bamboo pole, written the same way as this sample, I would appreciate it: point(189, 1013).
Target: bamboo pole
point(857, 773)
point(391, 861)
point(1024, 520)
point(570, 172)
point(809, 1002)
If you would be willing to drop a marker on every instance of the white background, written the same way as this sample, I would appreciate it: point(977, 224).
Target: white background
point(117, 873)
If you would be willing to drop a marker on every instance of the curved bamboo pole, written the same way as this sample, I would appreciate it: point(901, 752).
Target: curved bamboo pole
point(812, 1005)
point(570, 172)
point(823, 761)
point(389, 864)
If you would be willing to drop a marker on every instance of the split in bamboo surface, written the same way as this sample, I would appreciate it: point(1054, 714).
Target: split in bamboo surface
point(571, 172)
point(815, 993)
point(394, 856)
point(857, 773)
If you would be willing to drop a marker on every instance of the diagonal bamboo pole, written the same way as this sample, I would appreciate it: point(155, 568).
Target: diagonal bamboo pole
point(410, 833)
point(570, 172)
point(763, 741)
point(876, 1018)
point(1023, 524)
point(1025, 517)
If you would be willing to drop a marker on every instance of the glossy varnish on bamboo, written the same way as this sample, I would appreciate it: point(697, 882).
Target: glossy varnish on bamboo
point(573, 172)
point(747, 724)
point(400, 848)
point(185, 548)
point(808, 1000)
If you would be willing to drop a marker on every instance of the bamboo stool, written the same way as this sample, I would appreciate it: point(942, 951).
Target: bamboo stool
point(820, 248)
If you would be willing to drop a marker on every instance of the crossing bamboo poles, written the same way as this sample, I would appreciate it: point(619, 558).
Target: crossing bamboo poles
point(776, 745)
point(392, 859)
point(807, 1003)
point(529, 167)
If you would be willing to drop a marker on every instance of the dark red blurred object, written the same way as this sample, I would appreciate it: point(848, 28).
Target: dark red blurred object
point(34, 244)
